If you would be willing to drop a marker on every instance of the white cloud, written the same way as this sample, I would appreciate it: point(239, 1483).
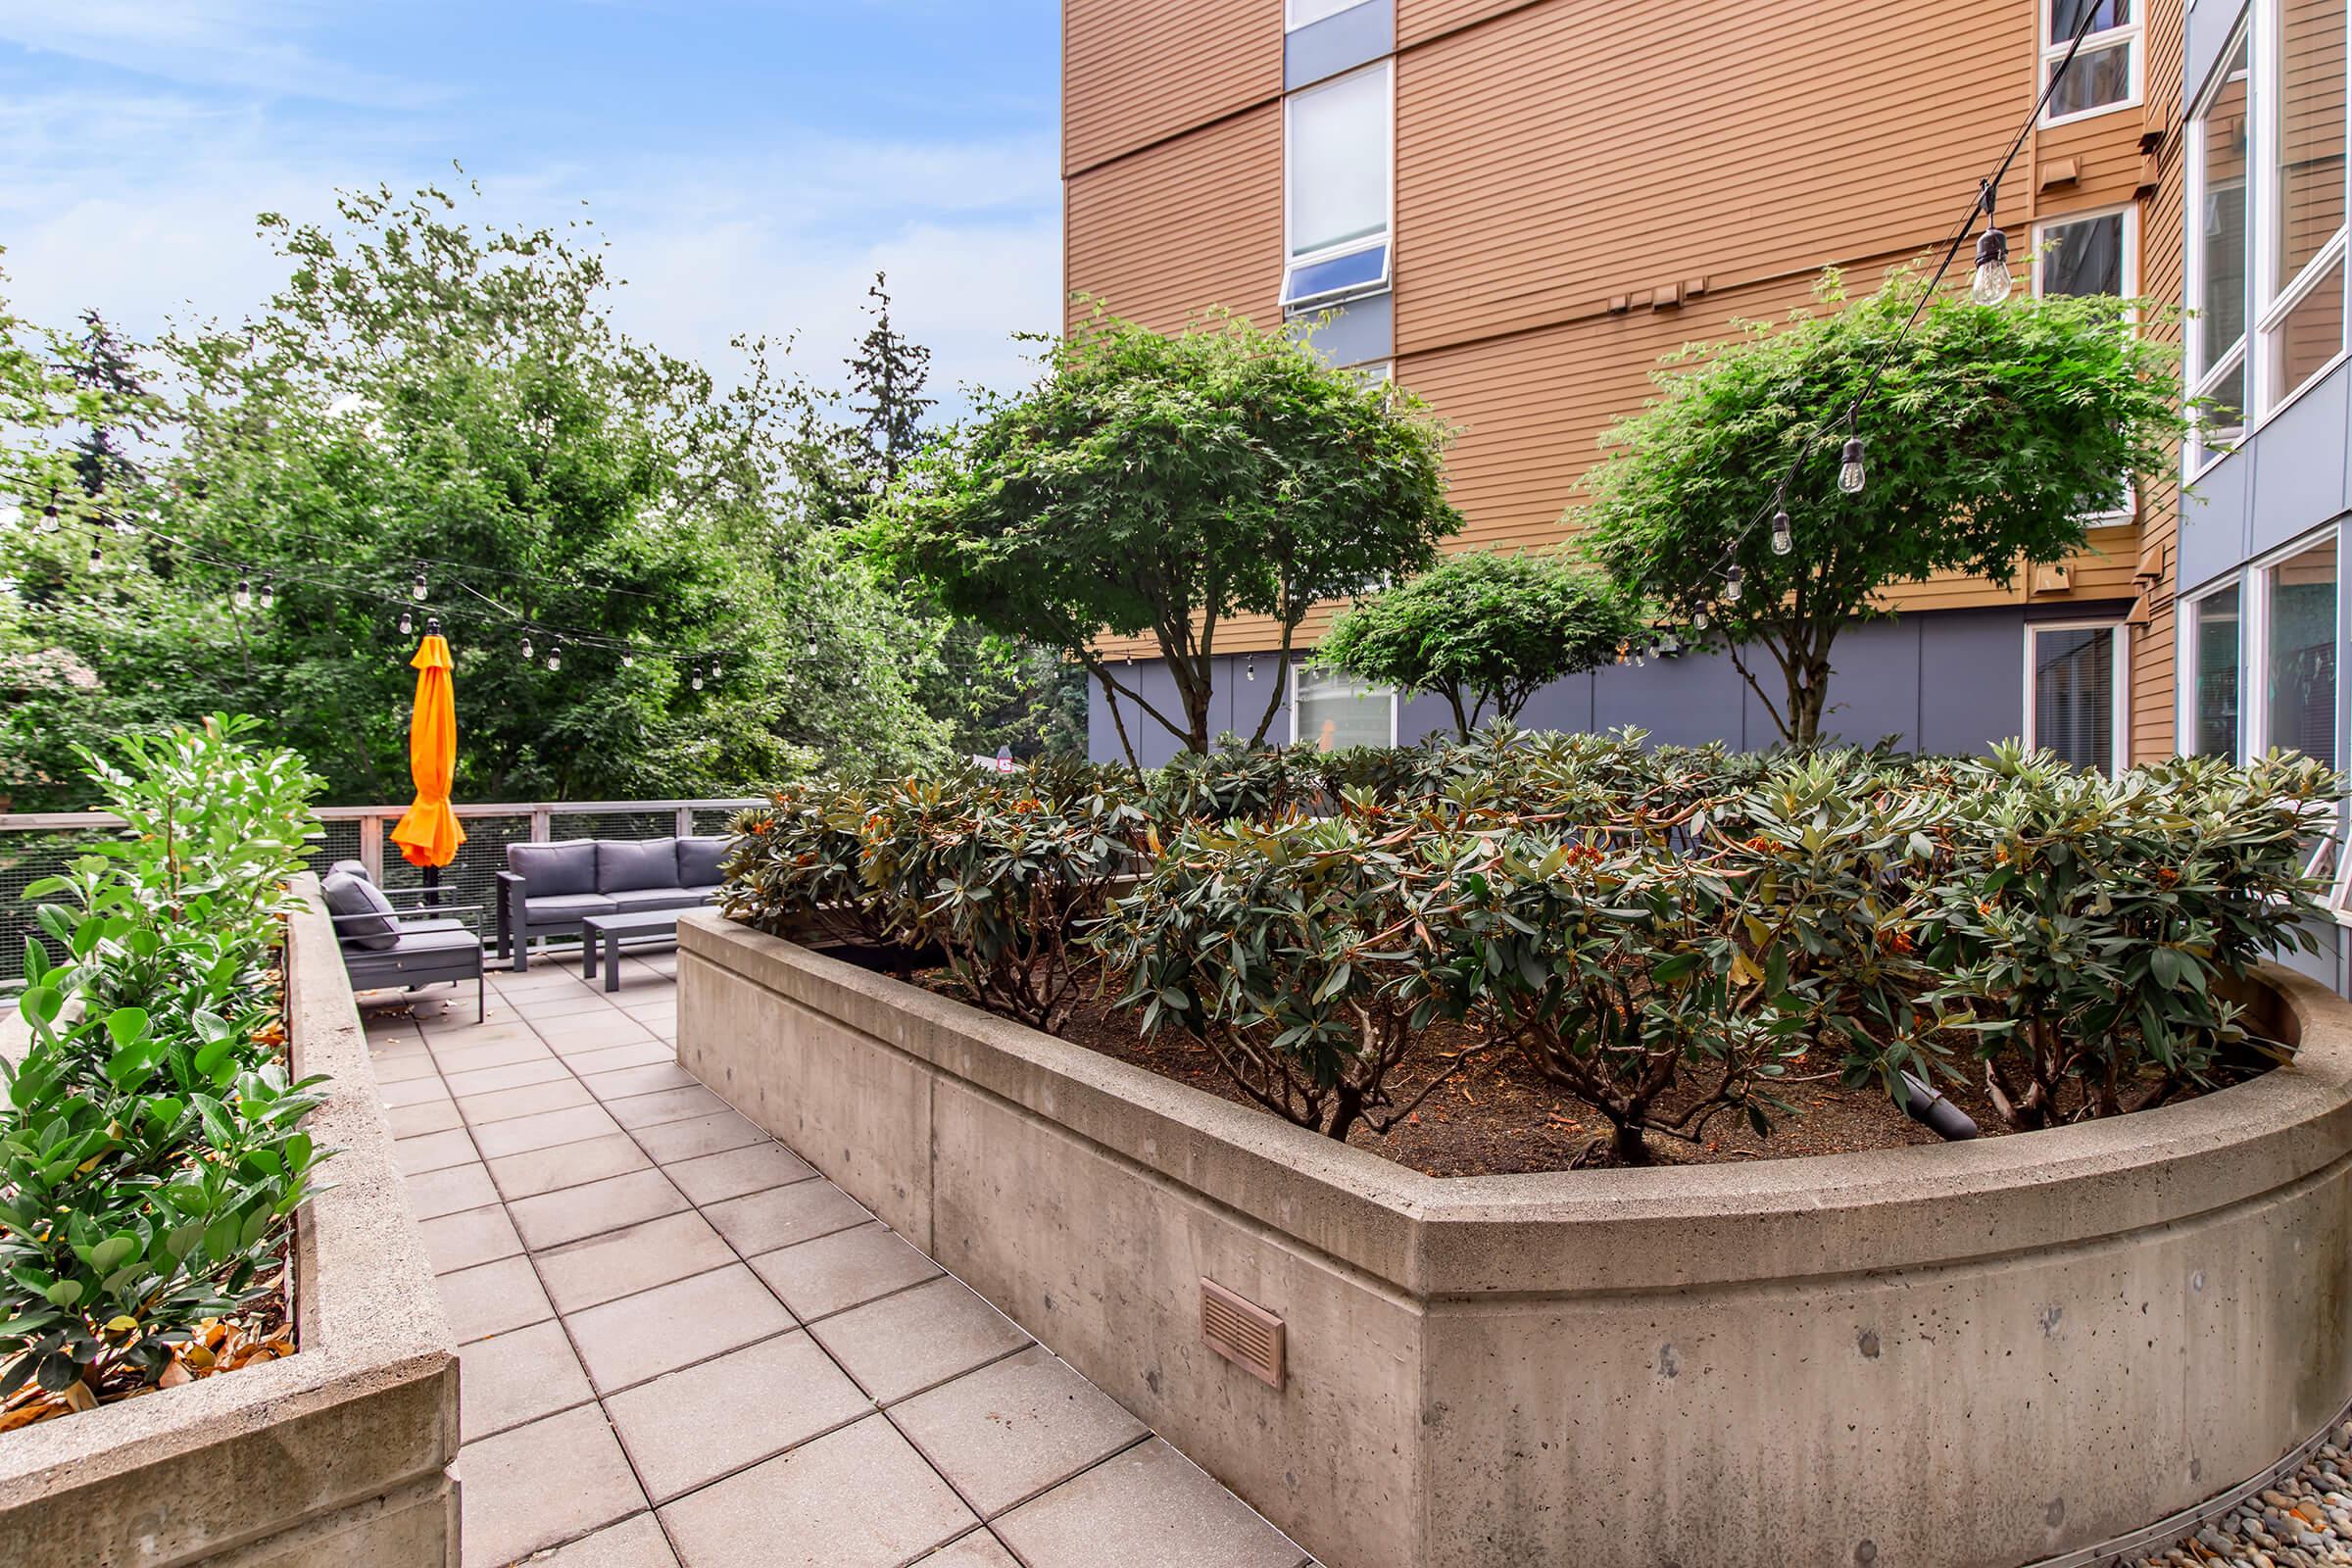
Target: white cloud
point(216, 44)
point(143, 206)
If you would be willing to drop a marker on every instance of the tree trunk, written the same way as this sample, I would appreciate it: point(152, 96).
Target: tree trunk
point(1627, 1144)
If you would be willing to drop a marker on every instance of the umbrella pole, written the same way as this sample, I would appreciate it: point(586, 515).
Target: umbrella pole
point(432, 886)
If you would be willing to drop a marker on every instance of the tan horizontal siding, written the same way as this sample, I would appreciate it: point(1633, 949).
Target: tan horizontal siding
point(1183, 227)
point(2162, 235)
point(1419, 21)
point(1135, 72)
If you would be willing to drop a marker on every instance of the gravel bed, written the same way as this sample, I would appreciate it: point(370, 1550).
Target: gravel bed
point(2303, 1521)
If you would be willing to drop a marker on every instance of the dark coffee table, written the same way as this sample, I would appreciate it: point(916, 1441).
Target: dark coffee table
point(606, 931)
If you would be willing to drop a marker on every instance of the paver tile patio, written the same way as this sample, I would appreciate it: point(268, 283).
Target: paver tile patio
point(657, 1303)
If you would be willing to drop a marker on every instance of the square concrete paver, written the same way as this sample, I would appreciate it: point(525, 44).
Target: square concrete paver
point(645, 1335)
point(569, 1213)
point(902, 1344)
point(529, 1100)
point(762, 1222)
point(668, 1104)
point(636, 1543)
point(547, 1130)
point(854, 1499)
point(448, 1191)
point(695, 1424)
point(979, 1549)
point(541, 1484)
point(844, 1269)
point(621, 1083)
point(544, 1170)
point(493, 1298)
point(753, 1168)
point(415, 1121)
point(1150, 1504)
point(543, 1067)
point(703, 1135)
point(509, 1379)
point(603, 1268)
point(1015, 1428)
point(433, 1151)
point(473, 1235)
point(613, 1059)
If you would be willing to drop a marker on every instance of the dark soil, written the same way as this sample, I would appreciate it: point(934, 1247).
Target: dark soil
point(1498, 1115)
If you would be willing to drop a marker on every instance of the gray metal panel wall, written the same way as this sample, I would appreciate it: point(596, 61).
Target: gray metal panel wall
point(2210, 25)
point(2216, 520)
point(1359, 332)
point(2298, 463)
point(1355, 36)
point(1943, 681)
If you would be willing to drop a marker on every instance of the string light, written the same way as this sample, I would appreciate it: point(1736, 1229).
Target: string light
point(1733, 581)
point(812, 645)
point(1992, 280)
point(526, 645)
point(1250, 669)
point(49, 518)
point(1783, 534)
point(716, 672)
point(1699, 619)
point(269, 589)
point(417, 587)
point(244, 593)
point(698, 677)
point(406, 625)
point(555, 658)
point(628, 660)
point(97, 560)
point(1851, 473)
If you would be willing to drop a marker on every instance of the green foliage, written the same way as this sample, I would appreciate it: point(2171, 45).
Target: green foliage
point(1163, 484)
point(1662, 931)
point(1486, 631)
point(151, 1149)
point(1992, 433)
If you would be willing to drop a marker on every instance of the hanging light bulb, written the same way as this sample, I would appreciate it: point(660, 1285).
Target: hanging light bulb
point(698, 677)
point(1992, 281)
point(812, 645)
point(406, 625)
point(49, 518)
point(416, 588)
point(97, 560)
point(716, 672)
point(555, 658)
point(1783, 535)
point(1852, 475)
point(269, 589)
point(628, 660)
point(1699, 619)
point(526, 645)
point(244, 594)
point(1250, 669)
point(1733, 581)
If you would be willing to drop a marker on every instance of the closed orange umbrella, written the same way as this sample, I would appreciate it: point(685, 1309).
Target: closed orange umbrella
point(429, 835)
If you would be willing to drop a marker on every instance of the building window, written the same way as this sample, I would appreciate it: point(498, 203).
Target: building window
point(1299, 13)
point(2299, 653)
point(2105, 74)
point(1331, 710)
point(2258, 658)
point(2093, 253)
point(2213, 692)
point(2075, 697)
point(2221, 254)
point(2267, 219)
point(1337, 157)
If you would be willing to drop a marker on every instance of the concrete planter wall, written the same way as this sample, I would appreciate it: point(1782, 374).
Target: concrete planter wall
point(339, 1453)
point(1970, 1354)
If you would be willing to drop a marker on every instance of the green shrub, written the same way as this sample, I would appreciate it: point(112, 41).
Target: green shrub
point(151, 1153)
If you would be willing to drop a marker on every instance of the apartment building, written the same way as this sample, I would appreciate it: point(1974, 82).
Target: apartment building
point(1516, 207)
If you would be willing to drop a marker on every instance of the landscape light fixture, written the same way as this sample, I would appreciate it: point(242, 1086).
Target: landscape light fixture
point(1992, 281)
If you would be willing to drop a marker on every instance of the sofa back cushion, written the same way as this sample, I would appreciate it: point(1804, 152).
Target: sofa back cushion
point(355, 868)
point(344, 894)
point(549, 870)
point(697, 861)
point(622, 864)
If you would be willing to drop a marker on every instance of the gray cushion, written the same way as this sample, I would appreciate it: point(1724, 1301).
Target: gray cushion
point(458, 941)
point(445, 923)
point(355, 868)
point(626, 863)
point(709, 895)
point(630, 900)
point(550, 870)
point(566, 906)
point(357, 896)
point(697, 861)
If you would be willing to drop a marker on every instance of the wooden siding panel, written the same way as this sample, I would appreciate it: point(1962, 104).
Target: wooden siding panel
point(2163, 233)
point(1419, 21)
point(1183, 227)
point(1557, 156)
point(1134, 74)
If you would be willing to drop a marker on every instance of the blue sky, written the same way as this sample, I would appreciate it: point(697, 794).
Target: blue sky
point(751, 162)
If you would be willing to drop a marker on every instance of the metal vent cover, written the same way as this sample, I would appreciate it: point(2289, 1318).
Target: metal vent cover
point(1242, 1332)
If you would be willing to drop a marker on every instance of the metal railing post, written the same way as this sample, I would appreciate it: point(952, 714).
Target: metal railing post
point(542, 824)
point(371, 848)
point(685, 821)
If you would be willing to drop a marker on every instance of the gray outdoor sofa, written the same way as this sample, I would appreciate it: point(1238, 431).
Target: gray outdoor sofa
point(386, 947)
point(548, 889)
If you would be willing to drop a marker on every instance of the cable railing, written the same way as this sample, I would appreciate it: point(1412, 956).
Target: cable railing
point(38, 844)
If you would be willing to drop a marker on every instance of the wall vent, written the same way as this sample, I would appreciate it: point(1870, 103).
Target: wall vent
point(1242, 1332)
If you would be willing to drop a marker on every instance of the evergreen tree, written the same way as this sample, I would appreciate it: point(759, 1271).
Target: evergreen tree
point(886, 377)
point(106, 368)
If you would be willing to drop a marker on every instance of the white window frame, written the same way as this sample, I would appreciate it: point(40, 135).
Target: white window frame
point(2120, 747)
point(2190, 632)
point(1292, 258)
point(2253, 582)
point(2266, 306)
point(2129, 212)
point(1296, 14)
point(1299, 673)
point(2131, 34)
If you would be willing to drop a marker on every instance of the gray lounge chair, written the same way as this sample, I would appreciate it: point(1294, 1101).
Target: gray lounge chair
point(386, 947)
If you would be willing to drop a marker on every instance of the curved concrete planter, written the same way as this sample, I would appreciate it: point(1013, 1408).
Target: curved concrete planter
point(1975, 1354)
point(339, 1453)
